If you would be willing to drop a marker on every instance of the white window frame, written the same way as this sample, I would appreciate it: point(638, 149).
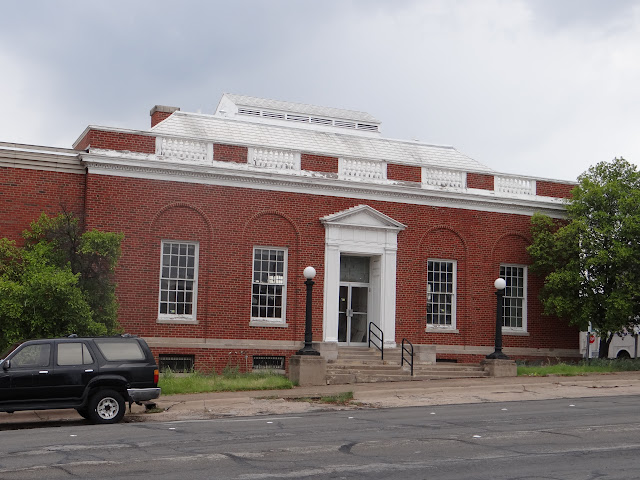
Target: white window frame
point(270, 321)
point(454, 296)
point(175, 317)
point(523, 328)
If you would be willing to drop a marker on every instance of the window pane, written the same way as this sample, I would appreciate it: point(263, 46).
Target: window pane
point(86, 355)
point(118, 350)
point(32, 356)
point(179, 264)
point(70, 353)
point(440, 292)
point(514, 296)
point(268, 280)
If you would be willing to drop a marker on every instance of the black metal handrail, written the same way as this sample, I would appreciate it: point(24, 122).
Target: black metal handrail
point(379, 337)
point(409, 352)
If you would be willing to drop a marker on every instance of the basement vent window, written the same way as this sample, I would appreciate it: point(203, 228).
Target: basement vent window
point(265, 362)
point(176, 363)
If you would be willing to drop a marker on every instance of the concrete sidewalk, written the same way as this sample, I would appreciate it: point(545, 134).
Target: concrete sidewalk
point(369, 395)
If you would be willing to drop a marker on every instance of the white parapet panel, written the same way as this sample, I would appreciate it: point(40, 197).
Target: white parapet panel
point(275, 159)
point(443, 178)
point(185, 150)
point(504, 185)
point(364, 170)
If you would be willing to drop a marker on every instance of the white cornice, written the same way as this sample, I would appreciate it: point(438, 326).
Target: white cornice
point(313, 183)
point(33, 157)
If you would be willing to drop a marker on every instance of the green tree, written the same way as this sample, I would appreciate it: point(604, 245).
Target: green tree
point(591, 262)
point(60, 282)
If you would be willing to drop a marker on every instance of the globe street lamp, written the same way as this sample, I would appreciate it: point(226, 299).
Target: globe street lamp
point(308, 273)
point(500, 285)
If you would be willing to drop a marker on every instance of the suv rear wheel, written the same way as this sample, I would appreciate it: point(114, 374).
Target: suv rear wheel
point(106, 406)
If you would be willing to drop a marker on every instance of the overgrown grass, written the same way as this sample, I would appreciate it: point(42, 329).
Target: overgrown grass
point(195, 382)
point(595, 365)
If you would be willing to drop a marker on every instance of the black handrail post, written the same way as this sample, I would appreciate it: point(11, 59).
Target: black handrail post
point(380, 338)
point(404, 349)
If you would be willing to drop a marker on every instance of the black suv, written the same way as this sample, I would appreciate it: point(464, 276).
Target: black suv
point(93, 375)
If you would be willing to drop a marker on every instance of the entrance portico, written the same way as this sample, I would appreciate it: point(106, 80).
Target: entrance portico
point(360, 275)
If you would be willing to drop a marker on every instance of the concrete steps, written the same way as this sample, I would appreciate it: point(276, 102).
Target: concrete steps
point(364, 365)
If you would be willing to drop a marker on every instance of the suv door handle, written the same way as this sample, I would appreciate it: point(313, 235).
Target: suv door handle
point(43, 371)
point(88, 370)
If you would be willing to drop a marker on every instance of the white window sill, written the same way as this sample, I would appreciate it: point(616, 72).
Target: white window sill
point(177, 319)
point(515, 333)
point(267, 323)
point(436, 329)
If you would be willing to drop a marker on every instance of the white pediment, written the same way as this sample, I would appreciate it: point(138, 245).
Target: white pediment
point(362, 216)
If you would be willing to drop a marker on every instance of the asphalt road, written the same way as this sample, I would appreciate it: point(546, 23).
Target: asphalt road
point(584, 438)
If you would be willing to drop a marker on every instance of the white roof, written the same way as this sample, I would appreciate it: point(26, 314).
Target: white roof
point(237, 132)
point(301, 108)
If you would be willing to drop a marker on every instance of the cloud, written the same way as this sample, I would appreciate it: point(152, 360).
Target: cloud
point(525, 86)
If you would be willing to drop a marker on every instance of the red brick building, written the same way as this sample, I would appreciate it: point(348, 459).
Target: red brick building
point(221, 214)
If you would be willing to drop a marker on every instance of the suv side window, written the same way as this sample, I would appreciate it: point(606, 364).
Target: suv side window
point(119, 350)
point(75, 353)
point(32, 356)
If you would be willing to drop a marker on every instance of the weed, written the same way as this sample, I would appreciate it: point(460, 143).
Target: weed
point(196, 382)
point(582, 368)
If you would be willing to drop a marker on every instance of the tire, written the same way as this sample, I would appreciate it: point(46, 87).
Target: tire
point(106, 406)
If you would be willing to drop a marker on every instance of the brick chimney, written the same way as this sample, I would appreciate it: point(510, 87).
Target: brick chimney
point(160, 112)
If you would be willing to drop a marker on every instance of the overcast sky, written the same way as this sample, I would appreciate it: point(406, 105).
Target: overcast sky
point(533, 87)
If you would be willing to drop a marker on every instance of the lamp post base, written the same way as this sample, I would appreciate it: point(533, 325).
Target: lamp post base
point(497, 355)
point(307, 370)
point(307, 350)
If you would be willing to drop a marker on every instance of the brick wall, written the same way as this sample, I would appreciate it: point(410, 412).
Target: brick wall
point(228, 222)
point(479, 180)
point(95, 138)
point(26, 193)
point(229, 153)
point(157, 117)
point(319, 163)
point(407, 173)
point(160, 113)
point(553, 189)
point(208, 360)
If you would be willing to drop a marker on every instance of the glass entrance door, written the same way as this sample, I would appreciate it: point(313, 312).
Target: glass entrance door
point(353, 300)
point(352, 314)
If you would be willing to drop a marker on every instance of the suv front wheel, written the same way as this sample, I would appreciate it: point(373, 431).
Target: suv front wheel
point(106, 406)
